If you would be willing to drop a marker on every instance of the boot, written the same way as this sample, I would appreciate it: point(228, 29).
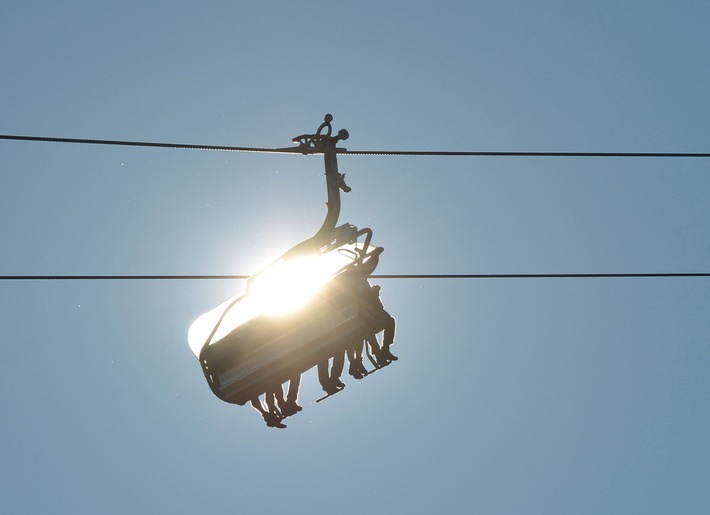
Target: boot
point(387, 354)
point(355, 369)
point(290, 408)
point(273, 420)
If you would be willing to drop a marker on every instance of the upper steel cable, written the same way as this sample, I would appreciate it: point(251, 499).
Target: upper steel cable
point(296, 150)
point(142, 144)
point(374, 276)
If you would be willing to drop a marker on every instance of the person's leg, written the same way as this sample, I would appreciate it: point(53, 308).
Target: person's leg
point(355, 359)
point(290, 406)
point(258, 406)
point(325, 378)
point(323, 375)
point(337, 370)
point(271, 398)
point(388, 337)
point(376, 351)
point(358, 355)
point(271, 419)
point(293, 386)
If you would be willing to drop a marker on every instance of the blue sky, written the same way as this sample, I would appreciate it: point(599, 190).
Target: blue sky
point(510, 396)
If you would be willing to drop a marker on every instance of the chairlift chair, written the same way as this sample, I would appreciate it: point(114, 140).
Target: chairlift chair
point(299, 311)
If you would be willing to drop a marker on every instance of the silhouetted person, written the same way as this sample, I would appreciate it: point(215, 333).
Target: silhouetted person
point(376, 309)
point(371, 304)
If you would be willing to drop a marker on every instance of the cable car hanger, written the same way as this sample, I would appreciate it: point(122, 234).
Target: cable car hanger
point(325, 144)
point(312, 306)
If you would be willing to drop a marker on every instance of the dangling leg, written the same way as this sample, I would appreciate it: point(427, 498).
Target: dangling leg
point(271, 397)
point(376, 351)
point(290, 406)
point(355, 359)
point(337, 370)
point(258, 406)
point(293, 386)
point(278, 400)
point(324, 377)
point(361, 366)
point(274, 413)
point(388, 338)
point(270, 419)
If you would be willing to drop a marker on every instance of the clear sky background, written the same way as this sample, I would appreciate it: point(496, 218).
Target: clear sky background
point(510, 396)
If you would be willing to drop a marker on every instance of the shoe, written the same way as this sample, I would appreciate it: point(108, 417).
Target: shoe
point(331, 389)
point(338, 383)
point(356, 370)
point(273, 420)
point(381, 359)
point(290, 408)
point(388, 355)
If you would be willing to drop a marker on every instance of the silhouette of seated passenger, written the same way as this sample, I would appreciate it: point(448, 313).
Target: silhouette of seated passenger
point(371, 304)
point(374, 307)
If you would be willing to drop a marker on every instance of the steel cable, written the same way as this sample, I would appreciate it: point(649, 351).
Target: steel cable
point(296, 150)
point(374, 276)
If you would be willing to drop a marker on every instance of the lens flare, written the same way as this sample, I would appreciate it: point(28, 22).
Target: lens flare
point(288, 285)
point(280, 289)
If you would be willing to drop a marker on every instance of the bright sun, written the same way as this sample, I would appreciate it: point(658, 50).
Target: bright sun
point(287, 285)
point(281, 288)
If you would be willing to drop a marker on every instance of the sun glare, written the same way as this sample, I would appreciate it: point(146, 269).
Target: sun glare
point(287, 285)
point(243, 311)
point(281, 288)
